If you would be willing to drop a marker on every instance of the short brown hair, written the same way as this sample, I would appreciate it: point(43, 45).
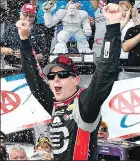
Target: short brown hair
point(128, 4)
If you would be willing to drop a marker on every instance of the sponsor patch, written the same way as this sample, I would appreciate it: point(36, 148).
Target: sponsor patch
point(106, 49)
point(70, 107)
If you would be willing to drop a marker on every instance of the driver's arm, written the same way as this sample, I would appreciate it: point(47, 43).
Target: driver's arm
point(106, 73)
point(107, 69)
point(37, 86)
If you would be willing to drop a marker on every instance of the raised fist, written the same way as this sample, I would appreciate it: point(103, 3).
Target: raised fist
point(48, 6)
point(24, 28)
point(112, 13)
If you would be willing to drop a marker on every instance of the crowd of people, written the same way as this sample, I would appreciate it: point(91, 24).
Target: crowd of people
point(42, 150)
point(42, 147)
point(129, 20)
point(42, 38)
point(3, 152)
point(76, 112)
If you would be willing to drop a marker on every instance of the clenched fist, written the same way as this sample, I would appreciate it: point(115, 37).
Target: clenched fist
point(48, 6)
point(23, 29)
point(112, 13)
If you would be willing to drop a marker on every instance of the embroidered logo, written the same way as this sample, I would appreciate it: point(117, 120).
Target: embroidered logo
point(70, 107)
point(63, 59)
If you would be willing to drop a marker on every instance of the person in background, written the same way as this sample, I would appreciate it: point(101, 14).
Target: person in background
point(10, 38)
point(3, 154)
point(3, 12)
point(43, 149)
point(2, 139)
point(126, 19)
point(12, 11)
point(47, 32)
point(75, 112)
point(103, 133)
point(17, 152)
point(10, 41)
point(43, 143)
point(131, 42)
point(126, 23)
point(3, 151)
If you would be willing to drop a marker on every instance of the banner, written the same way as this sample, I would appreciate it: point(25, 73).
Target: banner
point(121, 110)
point(19, 108)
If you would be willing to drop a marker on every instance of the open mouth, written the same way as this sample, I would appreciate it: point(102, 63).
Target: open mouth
point(58, 89)
point(101, 138)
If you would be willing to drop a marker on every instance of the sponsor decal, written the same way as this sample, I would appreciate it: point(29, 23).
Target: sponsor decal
point(99, 41)
point(9, 102)
point(106, 49)
point(70, 107)
point(127, 103)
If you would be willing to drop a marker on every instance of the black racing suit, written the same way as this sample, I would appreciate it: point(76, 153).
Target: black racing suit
point(74, 121)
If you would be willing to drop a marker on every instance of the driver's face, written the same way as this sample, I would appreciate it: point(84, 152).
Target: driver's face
point(63, 88)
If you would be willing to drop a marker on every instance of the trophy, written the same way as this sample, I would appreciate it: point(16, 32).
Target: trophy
point(75, 24)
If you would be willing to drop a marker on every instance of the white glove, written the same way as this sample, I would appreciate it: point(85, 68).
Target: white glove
point(48, 6)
